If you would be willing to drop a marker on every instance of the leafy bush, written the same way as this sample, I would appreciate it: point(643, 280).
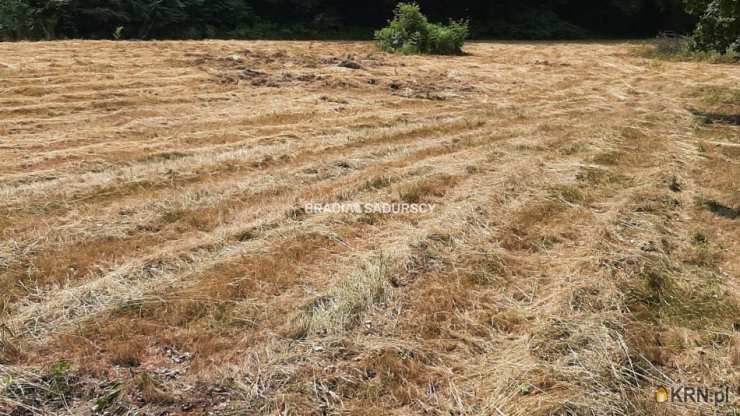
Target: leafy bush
point(719, 25)
point(410, 32)
point(448, 40)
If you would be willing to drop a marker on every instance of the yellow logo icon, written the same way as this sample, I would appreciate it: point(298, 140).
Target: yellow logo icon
point(661, 394)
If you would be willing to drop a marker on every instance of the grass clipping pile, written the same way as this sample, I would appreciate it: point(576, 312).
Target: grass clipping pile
point(158, 258)
point(316, 72)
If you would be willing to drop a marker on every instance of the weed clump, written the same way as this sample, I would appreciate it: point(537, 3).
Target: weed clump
point(410, 33)
point(27, 392)
point(658, 297)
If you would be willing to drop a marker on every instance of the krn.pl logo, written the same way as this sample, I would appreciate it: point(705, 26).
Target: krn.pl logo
point(661, 394)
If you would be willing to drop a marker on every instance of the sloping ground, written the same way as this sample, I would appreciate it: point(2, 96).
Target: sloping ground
point(156, 255)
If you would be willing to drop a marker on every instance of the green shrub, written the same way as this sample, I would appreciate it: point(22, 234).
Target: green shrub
point(409, 32)
point(719, 25)
point(447, 40)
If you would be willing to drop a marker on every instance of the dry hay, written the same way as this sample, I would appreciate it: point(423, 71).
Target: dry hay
point(156, 255)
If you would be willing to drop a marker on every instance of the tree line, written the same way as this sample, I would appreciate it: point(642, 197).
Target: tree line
point(300, 19)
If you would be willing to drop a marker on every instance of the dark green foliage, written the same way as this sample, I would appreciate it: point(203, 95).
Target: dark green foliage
point(140, 19)
point(719, 25)
point(15, 19)
point(23, 19)
point(300, 19)
point(407, 32)
point(533, 23)
point(410, 32)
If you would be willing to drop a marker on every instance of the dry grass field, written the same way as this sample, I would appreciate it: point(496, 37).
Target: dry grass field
point(156, 257)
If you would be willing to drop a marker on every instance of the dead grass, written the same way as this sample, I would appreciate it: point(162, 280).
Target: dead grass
point(152, 391)
point(427, 189)
point(529, 224)
point(156, 256)
point(127, 353)
point(344, 306)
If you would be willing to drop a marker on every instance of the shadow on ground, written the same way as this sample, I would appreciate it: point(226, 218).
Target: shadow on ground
point(720, 118)
point(722, 210)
